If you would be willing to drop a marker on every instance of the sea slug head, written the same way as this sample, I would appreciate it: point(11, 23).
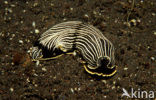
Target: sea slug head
point(35, 53)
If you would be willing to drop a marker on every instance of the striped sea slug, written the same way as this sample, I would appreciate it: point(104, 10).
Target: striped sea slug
point(96, 51)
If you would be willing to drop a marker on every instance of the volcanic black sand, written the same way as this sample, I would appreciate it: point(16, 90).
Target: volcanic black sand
point(129, 24)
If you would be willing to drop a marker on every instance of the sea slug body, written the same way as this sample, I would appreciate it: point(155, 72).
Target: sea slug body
point(75, 36)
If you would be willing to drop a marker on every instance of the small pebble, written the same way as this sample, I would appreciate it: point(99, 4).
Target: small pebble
point(33, 24)
point(12, 5)
point(75, 89)
point(94, 12)
point(142, 1)
point(72, 90)
point(52, 4)
point(35, 4)
point(119, 78)
point(10, 38)
point(118, 87)
point(104, 81)
point(105, 96)
point(64, 19)
point(44, 69)
point(24, 11)
point(10, 10)
point(28, 51)
point(152, 58)
point(35, 74)
point(91, 80)
point(86, 15)
point(71, 9)
point(114, 82)
point(27, 40)
point(37, 31)
point(6, 2)
point(21, 21)
point(35, 85)
point(11, 89)
point(13, 35)
point(31, 31)
point(79, 89)
point(153, 14)
point(113, 87)
point(28, 80)
point(125, 68)
point(9, 18)
point(20, 41)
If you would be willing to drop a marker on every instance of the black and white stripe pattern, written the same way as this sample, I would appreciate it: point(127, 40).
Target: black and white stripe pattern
point(88, 40)
point(36, 53)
